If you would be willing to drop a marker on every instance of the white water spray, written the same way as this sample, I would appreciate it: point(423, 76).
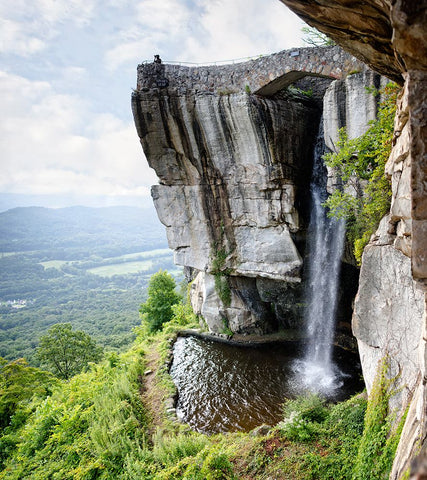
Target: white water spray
point(325, 247)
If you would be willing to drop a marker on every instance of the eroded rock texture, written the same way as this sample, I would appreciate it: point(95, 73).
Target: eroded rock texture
point(232, 170)
point(390, 310)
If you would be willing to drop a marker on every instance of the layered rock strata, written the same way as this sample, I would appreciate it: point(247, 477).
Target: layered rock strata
point(232, 169)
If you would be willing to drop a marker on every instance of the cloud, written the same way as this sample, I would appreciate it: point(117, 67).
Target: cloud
point(71, 63)
point(243, 28)
point(155, 25)
point(53, 143)
point(14, 38)
point(28, 27)
point(207, 31)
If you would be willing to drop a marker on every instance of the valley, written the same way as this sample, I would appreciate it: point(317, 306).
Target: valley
point(89, 267)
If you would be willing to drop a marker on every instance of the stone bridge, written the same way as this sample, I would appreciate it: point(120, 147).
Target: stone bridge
point(265, 75)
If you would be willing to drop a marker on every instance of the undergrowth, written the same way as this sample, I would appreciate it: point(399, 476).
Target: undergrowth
point(95, 426)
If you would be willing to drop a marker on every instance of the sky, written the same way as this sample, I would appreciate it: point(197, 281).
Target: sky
point(67, 70)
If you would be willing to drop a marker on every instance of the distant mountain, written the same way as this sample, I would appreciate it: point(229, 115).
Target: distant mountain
point(87, 266)
point(115, 228)
point(14, 200)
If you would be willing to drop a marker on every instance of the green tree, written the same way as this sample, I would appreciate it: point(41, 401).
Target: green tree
point(67, 352)
point(162, 295)
point(18, 383)
point(315, 38)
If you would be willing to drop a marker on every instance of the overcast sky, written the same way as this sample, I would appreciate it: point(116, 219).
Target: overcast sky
point(67, 69)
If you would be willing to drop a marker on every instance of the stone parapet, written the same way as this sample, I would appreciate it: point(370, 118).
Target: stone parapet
point(264, 75)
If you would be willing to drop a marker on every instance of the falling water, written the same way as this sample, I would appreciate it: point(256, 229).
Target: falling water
point(325, 248)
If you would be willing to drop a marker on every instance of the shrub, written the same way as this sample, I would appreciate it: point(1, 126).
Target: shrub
point(301, 417)
point(360, 163)
point(381, 434)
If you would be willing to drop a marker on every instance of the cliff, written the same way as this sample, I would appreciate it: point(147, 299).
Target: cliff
point(234, 170)
point(232, 147)
point(390, 314)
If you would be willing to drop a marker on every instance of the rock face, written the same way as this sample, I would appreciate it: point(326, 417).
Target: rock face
point(235, 171)
point(390, 310)
point(232, 170)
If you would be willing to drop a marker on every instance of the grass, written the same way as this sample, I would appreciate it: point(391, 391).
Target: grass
point(160, 252)
point(123, 265)
point(54, 264)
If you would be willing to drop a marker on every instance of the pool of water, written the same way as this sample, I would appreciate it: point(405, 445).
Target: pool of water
point(223, 387)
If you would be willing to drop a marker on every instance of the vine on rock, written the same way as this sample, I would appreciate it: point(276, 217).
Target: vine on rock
point(221, 274)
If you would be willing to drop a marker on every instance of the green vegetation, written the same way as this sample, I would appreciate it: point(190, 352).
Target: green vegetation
point(86, 428)
point(162, 296)
point(111, 422)
point(51, 264)
point(381, 431)
point(221, 274)
point(315, 38)
point(360, 163)
point(226, 330)
point(298, 91)
point(65, 352)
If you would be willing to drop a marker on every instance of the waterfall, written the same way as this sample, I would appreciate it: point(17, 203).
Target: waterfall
point(325, 247)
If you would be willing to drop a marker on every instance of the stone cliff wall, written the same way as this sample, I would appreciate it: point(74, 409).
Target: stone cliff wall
point(390, 310)
point(234, 170)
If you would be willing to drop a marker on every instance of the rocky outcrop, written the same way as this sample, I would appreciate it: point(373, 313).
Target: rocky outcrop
point(390, 310)
point(233, 169)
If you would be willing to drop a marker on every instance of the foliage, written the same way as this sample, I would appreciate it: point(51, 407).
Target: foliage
point(298, 91)
point(301, 415)
point(315, 441)
point(315, 38)
point(95, 426)
point(20, 385)
point(157, 310)
point(46, 260)
point(381, 434)
point(182, 316)
point(360, 163)
point(86, 429)
point(67, 352)
point(226, 330)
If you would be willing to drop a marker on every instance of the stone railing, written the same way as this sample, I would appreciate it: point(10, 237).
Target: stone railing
point(264, 75)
